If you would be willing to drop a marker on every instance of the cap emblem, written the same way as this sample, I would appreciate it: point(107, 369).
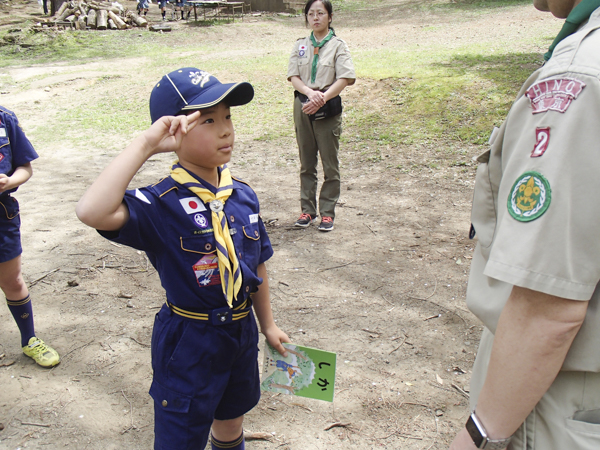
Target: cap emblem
point(200, 77)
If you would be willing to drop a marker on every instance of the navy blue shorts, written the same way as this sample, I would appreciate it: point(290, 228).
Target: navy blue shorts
point(201, 372)
point(10, 222)
point(162, 4)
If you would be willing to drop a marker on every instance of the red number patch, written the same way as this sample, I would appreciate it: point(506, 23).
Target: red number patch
point(542, 139)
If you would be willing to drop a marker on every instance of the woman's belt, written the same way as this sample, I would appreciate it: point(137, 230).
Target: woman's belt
point(219, 316)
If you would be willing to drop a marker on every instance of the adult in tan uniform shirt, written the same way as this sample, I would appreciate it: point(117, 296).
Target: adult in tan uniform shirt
point(319, 84)
point(536, 268)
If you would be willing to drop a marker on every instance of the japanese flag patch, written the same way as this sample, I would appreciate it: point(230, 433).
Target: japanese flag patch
point(192, 205)
point(302, 51)
point(529, 197)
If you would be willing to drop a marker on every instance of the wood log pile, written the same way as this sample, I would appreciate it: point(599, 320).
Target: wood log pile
point(92, 14)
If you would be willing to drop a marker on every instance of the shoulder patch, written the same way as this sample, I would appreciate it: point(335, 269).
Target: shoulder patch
point(529, 197)
point(164, 185)
point(554, 95)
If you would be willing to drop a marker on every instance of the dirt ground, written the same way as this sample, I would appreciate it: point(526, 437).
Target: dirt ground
point(385, 290)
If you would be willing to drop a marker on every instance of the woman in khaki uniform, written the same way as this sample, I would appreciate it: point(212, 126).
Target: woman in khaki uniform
point(320, 68)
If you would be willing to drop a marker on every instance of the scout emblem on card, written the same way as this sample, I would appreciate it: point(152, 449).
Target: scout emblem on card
point(306, 372)
point(529, 197)
point(554, 95)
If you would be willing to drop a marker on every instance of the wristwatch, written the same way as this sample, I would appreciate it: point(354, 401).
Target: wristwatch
point(480, 437)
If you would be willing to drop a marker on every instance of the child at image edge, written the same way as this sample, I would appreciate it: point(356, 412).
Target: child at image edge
point(202, 231)
point(16, 154)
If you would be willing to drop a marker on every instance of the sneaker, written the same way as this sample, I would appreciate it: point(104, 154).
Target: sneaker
point(305, 220)
point(326, 224)
point(42, 354)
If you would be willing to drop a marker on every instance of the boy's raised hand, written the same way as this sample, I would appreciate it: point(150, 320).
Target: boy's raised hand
point(165, 135)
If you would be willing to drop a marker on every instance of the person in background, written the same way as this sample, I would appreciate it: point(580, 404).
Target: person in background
point(319, 69)
point(16, 154)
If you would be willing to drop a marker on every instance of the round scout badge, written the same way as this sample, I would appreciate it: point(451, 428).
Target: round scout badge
point(529, 197)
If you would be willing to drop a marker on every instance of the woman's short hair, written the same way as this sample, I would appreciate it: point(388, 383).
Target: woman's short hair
point(326, 4)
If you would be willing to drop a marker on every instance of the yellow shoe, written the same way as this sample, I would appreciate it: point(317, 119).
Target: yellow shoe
point(42, 354)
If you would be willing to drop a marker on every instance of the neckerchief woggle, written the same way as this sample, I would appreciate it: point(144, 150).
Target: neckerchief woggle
point(313, 72)
point(576, 17)
point(229, 267)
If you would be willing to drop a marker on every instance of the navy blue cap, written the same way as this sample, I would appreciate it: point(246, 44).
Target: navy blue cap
point(189, 89)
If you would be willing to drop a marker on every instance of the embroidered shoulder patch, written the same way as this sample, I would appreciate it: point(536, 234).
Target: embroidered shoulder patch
point(555, 95)
point(529, 197)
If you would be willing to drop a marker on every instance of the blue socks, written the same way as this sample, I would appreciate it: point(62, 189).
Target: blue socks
point(22, 312)
point(238, 444)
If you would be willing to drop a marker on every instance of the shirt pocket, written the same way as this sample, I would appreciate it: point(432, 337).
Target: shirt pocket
point(251, 244)
point(9, 208)
point(326, 70)
point(483, 213)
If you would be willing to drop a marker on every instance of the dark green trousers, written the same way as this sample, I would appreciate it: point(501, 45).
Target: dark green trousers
point(321, 137)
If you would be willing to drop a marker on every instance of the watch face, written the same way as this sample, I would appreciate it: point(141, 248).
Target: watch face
point(474, 432)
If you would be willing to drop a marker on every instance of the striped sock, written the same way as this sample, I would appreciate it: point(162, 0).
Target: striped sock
point(22, 312)
point(238, 444)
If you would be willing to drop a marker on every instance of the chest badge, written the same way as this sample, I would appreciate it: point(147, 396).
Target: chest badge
point(216, 206)
point(192, 205)
point(529, 197)
point(302, 51)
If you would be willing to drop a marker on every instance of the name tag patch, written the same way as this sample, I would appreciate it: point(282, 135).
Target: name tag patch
point(554, 95)
point(253, 218)
point(2, 132)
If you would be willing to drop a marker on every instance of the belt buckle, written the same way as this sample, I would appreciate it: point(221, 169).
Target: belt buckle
point(221, 316)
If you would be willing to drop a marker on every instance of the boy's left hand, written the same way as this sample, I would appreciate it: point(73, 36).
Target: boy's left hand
point(275, 337)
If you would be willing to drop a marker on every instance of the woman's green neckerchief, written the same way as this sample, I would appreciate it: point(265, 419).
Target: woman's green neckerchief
point(313, 73)
point(576, 17)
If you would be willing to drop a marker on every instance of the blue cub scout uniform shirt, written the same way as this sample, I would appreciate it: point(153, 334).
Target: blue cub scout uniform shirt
point(174, 227)
point(15, 148)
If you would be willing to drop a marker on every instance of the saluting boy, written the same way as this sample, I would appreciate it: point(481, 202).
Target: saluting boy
point(202, 231)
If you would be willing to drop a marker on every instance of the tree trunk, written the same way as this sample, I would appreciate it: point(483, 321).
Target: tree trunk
point(137, 20)
point(62, 8)
point(117, 20)
point(91, 18)
point(66, 13)
point(111, 24)
point(102, 19)
point(81, 22)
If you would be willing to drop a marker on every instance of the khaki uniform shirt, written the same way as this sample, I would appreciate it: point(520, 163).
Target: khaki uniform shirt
point(536, 206)
point(334, 63)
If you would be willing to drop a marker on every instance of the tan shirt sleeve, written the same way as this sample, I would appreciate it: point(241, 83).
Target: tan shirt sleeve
point(557, 253)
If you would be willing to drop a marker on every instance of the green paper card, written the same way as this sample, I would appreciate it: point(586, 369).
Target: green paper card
point(306, 372)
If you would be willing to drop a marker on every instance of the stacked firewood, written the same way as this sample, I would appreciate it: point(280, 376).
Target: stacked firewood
point(99, 15)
